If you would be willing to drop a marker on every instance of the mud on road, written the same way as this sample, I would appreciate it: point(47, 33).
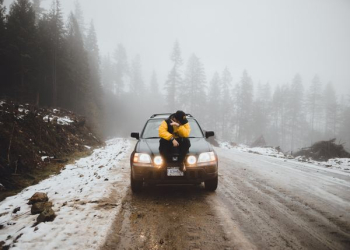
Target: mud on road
point(167, 217)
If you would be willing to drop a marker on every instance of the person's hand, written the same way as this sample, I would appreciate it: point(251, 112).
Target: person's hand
point(173, 123)
point(175, 143)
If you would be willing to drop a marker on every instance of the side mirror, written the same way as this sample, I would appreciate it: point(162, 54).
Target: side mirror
point(135, 135)
point(209, 134)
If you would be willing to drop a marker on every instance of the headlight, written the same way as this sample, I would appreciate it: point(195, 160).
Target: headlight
point(206, 157)
point(191, 160)
point(158, 160)
point(142, 158)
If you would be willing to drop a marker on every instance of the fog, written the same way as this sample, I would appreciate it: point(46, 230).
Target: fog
point(276, 43)
point(271, 39)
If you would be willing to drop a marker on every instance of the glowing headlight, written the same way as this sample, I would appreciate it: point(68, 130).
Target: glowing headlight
point(191, 160)
point(206, 157)
point(158, 160)
point(142, 158)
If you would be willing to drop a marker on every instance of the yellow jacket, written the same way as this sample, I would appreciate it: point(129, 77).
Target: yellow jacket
point(181, 131)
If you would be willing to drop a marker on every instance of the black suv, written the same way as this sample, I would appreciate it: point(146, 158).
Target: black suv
point(148, 166)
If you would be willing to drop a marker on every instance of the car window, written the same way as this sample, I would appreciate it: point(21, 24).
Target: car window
point(152, 126)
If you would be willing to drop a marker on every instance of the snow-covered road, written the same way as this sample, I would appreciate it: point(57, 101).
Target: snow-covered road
point(86, 197)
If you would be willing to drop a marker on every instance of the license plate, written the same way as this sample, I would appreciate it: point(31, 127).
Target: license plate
point(174, 172)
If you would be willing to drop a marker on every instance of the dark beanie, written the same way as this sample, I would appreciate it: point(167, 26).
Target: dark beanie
point(181, 116)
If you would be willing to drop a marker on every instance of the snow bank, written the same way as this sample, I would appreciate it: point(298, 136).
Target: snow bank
point(337, 163)
point(263, 151)
point(76, 194)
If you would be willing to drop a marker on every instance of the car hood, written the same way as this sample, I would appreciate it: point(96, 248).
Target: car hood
point(151, 146)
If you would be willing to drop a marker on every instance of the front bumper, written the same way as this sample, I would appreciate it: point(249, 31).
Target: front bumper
point(193, 174)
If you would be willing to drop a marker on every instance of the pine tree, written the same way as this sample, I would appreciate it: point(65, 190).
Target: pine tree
point(56, 37)
point(154, 87)
point(3, 55)
point(78, 69)
point(2, 18)
point(174, 79)
point(280, 113)
point(136, 82)
point(94, 101)
point(330, 111)
point(294, 109)
point(38, 10)
point(93, 55)
point(244, 108)
point(79, 16)
point(193, 93)
point(107, 74)
point(314, 103)
point(154, 98)
point(225, 103)
point(213, 107)
point(261, 111)
point(22, 48)
point(122, 70)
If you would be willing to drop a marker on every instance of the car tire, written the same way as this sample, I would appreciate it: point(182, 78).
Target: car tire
point(136, 185)
point(211, 185)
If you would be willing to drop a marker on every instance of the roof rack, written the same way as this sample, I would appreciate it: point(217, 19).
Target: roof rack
point(160, 114)
point(189, 115)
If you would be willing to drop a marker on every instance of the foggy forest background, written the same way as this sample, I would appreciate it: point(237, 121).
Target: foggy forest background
point(52, 62)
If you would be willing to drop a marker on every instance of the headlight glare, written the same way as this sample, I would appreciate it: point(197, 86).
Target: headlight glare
point(206, 157)
point(191, 160)
point(158, 160)
point(142, 158)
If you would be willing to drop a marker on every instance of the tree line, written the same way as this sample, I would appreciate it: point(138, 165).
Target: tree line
point(289, 115)
point(49, 61)
point(52, 62)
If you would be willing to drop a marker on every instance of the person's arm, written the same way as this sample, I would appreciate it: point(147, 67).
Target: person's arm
point(163, 131)
point(184, 130)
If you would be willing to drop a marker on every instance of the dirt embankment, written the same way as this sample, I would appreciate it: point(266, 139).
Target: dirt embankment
point(37, 142)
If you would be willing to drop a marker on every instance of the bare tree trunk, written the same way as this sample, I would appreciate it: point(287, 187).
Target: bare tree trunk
point(9, 149)
point(54, 77)
point(37, 101)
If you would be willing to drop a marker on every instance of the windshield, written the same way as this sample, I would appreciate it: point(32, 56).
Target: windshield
point(152, 126)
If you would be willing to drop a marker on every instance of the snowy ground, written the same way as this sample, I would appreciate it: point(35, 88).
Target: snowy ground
point(81, 200)
point(336, 163)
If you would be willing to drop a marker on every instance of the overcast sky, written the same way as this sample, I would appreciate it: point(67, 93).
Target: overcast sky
point(272, 39)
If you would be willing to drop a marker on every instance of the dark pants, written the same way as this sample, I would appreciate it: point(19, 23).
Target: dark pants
point(166, 148)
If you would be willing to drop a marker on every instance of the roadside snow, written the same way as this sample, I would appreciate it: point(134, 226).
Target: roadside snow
point(60, 120)
point(64, 120)
point(26, 111)
point(43, 158)
point(336, 163)
point(269, 151)
point(2, 103)
point(78, 194)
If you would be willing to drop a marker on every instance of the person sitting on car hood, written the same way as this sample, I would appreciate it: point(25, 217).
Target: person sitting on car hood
point(174, 132)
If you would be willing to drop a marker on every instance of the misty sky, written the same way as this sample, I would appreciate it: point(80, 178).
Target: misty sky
point(272, 39)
